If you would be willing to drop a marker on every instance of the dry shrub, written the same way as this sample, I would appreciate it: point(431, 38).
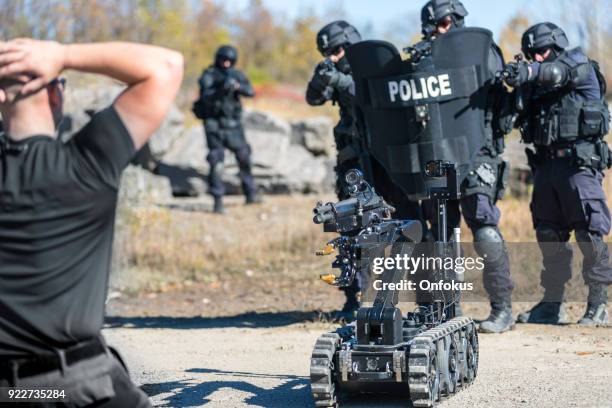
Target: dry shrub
point(275, 237)
point(158, 246)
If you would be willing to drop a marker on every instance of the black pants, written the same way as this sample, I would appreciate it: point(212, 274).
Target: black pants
point(100, 381)
point(479, 211)
point(218, 138)
point(565, 198)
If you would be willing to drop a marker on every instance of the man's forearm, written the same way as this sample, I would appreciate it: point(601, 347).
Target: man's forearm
point(153, 76)
point(127, 62)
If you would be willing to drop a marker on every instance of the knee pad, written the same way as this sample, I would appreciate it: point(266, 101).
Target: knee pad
point(489, 243)
point(215, 156)
point(551, 240)
point(591, 245)
point(243, 155)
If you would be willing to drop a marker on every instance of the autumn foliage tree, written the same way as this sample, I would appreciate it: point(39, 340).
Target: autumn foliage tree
point(270, 50)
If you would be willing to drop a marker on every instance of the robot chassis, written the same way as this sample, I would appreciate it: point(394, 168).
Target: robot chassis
point(430, 352)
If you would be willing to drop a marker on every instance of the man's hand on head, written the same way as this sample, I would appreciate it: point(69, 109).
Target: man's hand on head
point(41, 61)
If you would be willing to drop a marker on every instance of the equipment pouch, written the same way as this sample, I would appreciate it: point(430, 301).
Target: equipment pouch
point(592, 154)
point(593, 121)
point(603, 151)
point(198, 109)
point(545, 127)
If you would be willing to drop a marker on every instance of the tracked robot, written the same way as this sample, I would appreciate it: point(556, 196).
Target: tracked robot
point(429, 352)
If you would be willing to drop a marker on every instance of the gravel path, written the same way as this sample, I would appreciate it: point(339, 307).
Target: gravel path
point(262, 361)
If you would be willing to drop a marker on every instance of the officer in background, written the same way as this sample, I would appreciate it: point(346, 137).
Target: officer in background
point(485, 184)
point(57, 213)
point(221, 87)
point(565, 117)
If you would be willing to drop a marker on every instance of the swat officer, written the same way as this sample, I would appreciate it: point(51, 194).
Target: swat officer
point(565, 117)
point(221, 87)
point(486, 181)
point(332, 81)
point(57, 212)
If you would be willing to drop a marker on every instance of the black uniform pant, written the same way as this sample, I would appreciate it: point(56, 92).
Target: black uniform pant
point(565, 198)
point(220, 136)
point(100, 381)
point(480, 214)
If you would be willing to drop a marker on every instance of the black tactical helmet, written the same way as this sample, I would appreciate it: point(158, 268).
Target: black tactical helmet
point(226, 52)
point(436, 10)
point(336, 34)
point(543, 36)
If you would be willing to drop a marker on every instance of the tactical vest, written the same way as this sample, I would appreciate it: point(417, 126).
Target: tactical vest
point(225, 106)
point(562, 118)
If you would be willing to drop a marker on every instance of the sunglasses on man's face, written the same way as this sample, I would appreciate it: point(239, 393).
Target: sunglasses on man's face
point(61, 82)
point(539, 51)
point(334, 51)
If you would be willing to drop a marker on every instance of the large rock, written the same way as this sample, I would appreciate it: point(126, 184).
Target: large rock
point(287, 157)
point(279, 166)
point(315, 134)
point(257, 120)
point(140, 187)
point(170, 131)
point(79, 101)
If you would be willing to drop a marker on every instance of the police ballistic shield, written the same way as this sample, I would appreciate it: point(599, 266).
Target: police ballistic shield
point(434, 110)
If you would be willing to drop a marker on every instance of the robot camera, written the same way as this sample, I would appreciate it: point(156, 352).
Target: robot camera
point(353, 178)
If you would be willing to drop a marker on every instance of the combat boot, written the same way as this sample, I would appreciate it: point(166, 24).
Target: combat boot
point(500, 319)
point(218, 207)
point(595, 315)
point(597, 308)
point(253, 198)
point(545, 313)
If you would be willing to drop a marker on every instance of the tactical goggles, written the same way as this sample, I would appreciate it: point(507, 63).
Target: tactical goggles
point(532, 53)
point(333, 51)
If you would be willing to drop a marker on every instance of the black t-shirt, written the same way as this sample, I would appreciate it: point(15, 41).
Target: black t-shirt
point(57, 212)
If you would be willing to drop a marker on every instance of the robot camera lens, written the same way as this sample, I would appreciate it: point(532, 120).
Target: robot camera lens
point(353, 177)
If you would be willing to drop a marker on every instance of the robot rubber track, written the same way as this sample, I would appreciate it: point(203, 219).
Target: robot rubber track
point(437, 363)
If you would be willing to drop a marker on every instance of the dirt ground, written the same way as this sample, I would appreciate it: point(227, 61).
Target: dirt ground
point(244, 344)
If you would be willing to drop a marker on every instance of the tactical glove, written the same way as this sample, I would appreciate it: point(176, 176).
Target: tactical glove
point(231, 84)
point(517, 73)
point(326, 75)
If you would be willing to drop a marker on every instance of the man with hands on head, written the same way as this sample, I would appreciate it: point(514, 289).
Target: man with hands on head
point(57, 210)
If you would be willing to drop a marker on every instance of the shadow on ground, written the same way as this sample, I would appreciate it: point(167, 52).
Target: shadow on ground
point(180, 178)
point(294, 391)
point(246, 320)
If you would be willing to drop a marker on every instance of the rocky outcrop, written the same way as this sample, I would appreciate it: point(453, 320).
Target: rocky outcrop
point(141, 187)
point(294, 157)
